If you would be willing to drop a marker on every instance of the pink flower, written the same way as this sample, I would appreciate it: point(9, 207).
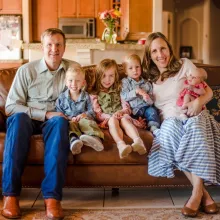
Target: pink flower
point(110, 17)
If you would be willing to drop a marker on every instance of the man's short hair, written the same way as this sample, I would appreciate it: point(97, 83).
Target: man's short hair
point(51, 32)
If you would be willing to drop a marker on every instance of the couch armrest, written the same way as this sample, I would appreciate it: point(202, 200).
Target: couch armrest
point(2, 121)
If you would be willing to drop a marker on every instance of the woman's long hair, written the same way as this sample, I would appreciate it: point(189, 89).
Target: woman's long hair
point(150, 70)
point(103, 66)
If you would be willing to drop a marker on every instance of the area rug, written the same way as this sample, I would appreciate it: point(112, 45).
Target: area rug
point(119, 214)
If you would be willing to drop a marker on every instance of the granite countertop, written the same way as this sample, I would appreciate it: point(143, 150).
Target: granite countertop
point(94, 44)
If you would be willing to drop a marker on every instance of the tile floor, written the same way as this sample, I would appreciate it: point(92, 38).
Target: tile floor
point(104, 198)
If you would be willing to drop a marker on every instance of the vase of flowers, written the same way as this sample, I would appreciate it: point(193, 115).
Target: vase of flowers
point(110, 18)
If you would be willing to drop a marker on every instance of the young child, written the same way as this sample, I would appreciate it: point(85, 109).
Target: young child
point(112, 112)
point(75, 103)
point(194, 86)
point(138, 92)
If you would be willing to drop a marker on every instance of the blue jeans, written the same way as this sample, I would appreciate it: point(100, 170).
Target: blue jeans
point(150, 114)
point(17, 144)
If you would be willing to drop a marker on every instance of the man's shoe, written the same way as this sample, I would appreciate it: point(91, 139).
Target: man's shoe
point(54, 210)
point(11, 207)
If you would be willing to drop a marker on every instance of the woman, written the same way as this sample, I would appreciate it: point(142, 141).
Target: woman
point(188, 145)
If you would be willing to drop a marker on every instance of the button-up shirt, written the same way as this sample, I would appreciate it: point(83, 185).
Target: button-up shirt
point(128, 93)
point(72, 108)
point(110, 102)
point(35, 89)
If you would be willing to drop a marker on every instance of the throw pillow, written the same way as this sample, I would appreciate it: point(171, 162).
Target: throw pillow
point(214, 105)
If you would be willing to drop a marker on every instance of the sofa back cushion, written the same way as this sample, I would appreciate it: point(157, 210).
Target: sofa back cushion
point(6, 78)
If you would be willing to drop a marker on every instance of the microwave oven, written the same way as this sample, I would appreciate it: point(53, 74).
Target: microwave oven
point(77, 27)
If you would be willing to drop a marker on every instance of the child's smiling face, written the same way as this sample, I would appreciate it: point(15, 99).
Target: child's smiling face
point(133, 69)
point(108, 78)
point(75, 81)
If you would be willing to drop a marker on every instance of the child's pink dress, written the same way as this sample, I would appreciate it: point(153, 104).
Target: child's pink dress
point(190, 92)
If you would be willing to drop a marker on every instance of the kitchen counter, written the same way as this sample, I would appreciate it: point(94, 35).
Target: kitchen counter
point(95, 45)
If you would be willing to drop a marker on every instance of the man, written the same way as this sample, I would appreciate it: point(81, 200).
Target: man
point(31, 107)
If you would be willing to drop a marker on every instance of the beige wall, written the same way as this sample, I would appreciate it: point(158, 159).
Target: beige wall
point(196, 24)
point(214, 35)
point(189, 26)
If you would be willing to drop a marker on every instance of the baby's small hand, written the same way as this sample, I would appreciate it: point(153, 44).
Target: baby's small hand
point(140, 91)
point(190, 87)
point(118, 114)
point(147, 99)
point(74, 119)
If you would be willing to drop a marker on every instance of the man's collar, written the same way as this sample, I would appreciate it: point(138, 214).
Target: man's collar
point(42, 66)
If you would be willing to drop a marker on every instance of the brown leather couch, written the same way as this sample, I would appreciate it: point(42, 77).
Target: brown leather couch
point(91, 168)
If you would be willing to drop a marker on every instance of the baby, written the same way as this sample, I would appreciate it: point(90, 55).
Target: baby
point(194, 86)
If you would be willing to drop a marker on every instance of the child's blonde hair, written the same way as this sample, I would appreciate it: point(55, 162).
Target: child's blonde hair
point(129, 58)
point(75, 69)
point(103, 66)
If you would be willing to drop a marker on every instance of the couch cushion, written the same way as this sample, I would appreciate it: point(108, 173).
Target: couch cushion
point(214, 105)
point(36, 153)
point(110, 153)
point(6, 78)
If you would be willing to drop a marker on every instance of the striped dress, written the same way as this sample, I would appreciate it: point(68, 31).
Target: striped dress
point(191, 145)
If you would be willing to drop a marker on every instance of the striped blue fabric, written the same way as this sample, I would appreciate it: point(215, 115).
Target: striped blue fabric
point(192, 145)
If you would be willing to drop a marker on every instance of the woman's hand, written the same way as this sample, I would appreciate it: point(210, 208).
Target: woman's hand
point(193, 108)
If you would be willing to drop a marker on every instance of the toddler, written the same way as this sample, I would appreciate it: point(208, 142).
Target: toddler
point(138, 92)
point(194, 86)
point(75, 103)
point(112, 112)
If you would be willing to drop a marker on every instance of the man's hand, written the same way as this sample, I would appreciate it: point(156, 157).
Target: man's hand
point(50, 115)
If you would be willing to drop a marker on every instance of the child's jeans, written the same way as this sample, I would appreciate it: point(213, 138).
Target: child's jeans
point(150, 114)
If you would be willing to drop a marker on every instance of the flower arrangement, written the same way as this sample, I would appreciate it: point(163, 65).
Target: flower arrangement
point(110, 18)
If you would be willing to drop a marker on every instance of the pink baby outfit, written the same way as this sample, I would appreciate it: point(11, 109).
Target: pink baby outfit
point(190, 92)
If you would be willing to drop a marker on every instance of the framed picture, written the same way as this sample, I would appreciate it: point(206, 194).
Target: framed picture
point(186, 52)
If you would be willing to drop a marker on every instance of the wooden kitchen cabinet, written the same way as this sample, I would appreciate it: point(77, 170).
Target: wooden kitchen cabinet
point(101, 5)
point(44, 15)
point(136, 18)
point(10, 6)
point(76, 8)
